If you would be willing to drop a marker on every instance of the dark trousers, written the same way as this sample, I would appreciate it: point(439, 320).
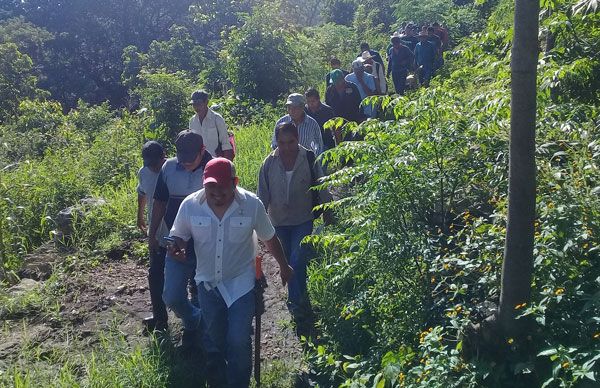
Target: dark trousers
point(156, 283)
point(399, 78)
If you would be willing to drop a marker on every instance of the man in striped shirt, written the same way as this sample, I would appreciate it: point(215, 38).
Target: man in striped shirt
point(309, 132)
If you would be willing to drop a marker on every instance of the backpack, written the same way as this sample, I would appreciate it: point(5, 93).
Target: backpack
point(231, 139)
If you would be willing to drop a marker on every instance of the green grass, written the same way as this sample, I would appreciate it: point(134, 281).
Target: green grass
point(253, 146)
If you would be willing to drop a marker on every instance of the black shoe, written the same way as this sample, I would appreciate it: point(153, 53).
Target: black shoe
point(152, 325)
point(191, 340)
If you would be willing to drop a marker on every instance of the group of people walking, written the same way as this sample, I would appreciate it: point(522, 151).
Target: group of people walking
point(202, 227)
point(412, 49)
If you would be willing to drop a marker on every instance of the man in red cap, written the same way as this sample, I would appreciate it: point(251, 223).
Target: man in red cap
point(222, 219)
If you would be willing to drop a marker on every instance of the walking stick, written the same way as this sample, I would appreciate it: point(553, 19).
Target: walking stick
point(259, 288)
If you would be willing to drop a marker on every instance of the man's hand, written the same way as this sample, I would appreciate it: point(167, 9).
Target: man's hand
point(141, 224)
point(287, 273)
point(176, 249)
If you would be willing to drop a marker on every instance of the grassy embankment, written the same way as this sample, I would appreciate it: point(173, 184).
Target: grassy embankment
point(33, 191)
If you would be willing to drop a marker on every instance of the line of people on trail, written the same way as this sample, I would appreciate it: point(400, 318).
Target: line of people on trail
point(202, 227)
point(412, 49)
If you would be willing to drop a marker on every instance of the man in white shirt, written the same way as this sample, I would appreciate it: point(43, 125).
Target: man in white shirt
point(210, 125)
point(222, 219)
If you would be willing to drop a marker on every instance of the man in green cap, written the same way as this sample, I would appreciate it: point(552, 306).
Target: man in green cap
point(344, 98)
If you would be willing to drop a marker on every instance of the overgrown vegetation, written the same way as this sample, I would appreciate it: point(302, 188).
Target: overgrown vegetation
point(416, 256)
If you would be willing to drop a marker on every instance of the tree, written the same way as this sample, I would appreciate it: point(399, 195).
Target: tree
point(260, 60)
point(17, 81)
point(517, 268)
point(339, 11)
point(165, 95)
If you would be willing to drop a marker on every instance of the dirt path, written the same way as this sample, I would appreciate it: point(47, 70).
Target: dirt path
point(114, 295)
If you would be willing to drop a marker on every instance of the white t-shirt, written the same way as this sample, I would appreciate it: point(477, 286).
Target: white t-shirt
point(212, 129)
point(225, 249)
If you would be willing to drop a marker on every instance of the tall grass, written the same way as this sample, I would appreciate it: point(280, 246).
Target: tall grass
point(253, 145)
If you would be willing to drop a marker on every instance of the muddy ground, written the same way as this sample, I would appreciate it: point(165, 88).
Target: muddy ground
point(113, 295)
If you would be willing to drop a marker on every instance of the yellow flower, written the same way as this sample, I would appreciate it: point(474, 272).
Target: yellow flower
point(520, 306)
point(597, 335)
point(510, 341)
point(559, 291)
point(565, 365)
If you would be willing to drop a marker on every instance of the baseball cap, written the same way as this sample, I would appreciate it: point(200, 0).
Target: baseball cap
point(219, 171)
point(335, 75)
point(152, 152)
point(199, 96)
point(296, 99)
point(358, 63)
point(188, 144)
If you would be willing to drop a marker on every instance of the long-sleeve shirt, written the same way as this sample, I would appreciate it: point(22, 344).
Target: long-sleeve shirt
point(309, 134)
point(289, 204)
point(400, 60)
point(425, 53)
point(347, 103)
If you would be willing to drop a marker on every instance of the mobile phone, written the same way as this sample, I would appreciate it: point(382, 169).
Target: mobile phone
point(170, 241)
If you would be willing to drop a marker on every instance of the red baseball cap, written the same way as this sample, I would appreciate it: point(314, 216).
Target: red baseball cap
point(219, 171)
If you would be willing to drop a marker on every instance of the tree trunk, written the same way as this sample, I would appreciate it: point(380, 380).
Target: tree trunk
point(517, 267)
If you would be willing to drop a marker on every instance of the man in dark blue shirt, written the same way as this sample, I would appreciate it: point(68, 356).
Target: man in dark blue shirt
point(178, 178)
point(321, 113)
point(425, 54)
point(400, 61)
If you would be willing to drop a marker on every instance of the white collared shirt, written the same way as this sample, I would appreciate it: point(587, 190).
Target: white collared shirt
point(212, 129)
point(225, 249)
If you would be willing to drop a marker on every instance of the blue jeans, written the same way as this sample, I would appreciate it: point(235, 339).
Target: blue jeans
point(227, 339)
point(297, 255)
point(175, 295)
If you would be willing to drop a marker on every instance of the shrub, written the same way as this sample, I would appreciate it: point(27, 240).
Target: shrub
point(259, 57)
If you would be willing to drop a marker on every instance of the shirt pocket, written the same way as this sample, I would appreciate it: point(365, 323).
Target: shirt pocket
point(201, 228)
point(240, 228)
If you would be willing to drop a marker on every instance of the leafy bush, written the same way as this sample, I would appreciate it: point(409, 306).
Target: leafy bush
point(259, 57)
point(431, 182)
point(166, 97)
point(17, 81)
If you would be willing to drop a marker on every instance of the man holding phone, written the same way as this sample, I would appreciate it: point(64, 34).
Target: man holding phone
point(222, 219)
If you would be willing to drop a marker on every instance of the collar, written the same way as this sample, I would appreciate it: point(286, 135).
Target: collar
point(209, 112)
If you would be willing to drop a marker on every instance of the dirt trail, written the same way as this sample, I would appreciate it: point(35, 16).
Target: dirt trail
point(114, 295)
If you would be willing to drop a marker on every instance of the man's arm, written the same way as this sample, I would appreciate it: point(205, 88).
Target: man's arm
point(158, 212)
point(263, 192)
point(141, 220)
point(285, 271)
point(265, 232)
